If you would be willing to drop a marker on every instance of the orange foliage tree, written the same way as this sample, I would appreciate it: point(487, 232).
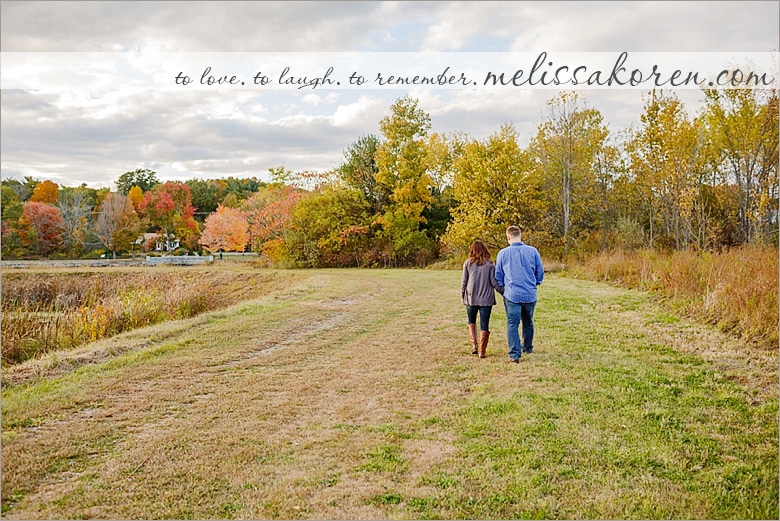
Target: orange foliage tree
point(45, 192)
point(225, 230)
point(269, 214)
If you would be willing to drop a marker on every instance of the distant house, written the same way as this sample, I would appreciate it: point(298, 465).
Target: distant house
point(158, 241)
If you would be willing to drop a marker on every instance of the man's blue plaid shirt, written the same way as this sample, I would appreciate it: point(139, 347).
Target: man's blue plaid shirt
point(519, 269)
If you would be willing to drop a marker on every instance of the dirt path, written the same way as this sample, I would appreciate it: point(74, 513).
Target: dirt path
point(332, 399)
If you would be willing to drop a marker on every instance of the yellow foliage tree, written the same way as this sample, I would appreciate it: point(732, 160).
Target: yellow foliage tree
point(402, 169)
point(495, 188)
point(665, 153)
point(136, 195)
point(743, 138)
point(564, 151)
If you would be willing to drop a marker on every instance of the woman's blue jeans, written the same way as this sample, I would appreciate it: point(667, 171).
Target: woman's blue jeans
point(484, 316)
point(515, 315)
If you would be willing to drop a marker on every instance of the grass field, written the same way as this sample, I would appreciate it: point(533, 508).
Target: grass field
point(352, 394)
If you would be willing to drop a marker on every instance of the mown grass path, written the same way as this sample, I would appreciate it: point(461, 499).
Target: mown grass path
point(352, 394)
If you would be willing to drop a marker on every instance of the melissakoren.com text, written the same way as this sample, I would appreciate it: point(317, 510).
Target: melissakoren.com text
point(544, 73)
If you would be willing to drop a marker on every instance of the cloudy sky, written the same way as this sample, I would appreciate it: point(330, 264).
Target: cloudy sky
point(95, 133)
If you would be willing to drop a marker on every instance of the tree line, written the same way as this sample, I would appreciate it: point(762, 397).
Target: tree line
point(409, 197)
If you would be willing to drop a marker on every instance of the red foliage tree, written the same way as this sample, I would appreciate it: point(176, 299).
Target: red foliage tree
point(169, 207)
point(41, 227)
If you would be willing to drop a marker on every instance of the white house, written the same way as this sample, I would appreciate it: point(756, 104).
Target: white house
point(159, 244)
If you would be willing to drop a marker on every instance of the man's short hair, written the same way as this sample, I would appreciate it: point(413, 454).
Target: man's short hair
point(513, 231)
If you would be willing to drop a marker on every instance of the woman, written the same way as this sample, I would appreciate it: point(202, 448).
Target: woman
point(476, 288)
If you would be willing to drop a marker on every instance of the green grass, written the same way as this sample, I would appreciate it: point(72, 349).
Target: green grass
point(353, 394)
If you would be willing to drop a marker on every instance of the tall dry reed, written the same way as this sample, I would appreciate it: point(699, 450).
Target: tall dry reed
point(43, 312)
point(735, 290)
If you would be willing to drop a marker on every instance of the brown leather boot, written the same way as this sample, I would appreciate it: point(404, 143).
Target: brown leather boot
point(473, 338)
point(483, 343)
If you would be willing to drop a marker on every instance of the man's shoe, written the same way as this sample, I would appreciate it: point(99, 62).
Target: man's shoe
point(514, 360)
point(529, 351)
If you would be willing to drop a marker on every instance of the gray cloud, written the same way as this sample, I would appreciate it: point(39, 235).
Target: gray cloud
point(194, 26)
point(398, 26)
point(77, 137)
point(181, 135)
point(607, 26)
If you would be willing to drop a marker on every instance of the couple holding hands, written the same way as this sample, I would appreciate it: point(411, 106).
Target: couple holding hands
point(516, 274)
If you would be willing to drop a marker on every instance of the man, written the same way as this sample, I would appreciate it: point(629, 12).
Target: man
point(519, 269)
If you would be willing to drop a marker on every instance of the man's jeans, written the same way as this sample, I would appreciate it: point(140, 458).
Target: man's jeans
point(515, 314)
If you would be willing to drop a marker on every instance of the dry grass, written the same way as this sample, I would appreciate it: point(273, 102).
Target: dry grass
point(51, 311)
point(737, 290)
point(352, 395)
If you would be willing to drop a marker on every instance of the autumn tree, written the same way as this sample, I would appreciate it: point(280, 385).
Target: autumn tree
point(402, 169)
point(564, 150)
point(41, 227)
point(136, 195)
point(225, 230)
point(494, 187)
point(743, 140)
point(75, 208)
point(45, 192)
point(11, 212)
point(117, 225)
point(358, 170)
point(168, 207)
point(665, 155)
point(22, 190)
point(11, 204)
point(281, 175)
point(331, 227)
point(10, 243)
point(442, 153)
point(231, 201)
point(100, 196)
point(269, 215)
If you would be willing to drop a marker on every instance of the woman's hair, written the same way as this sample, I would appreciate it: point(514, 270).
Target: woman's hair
point(479, 253)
